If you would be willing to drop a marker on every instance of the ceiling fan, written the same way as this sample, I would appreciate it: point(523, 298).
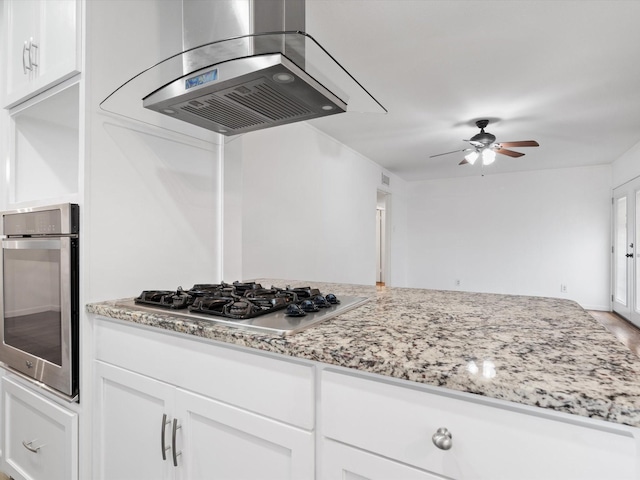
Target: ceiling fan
point(484, 145)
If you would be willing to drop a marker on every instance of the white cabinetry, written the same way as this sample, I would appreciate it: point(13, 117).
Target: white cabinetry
point(488, 442)
point(242, 414)
point(2, 373)
point(40, 437)
point(42, 46)
point(191, 421)
point(43, 124)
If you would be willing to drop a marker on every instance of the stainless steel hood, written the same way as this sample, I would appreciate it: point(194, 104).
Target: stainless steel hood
point(246, 65)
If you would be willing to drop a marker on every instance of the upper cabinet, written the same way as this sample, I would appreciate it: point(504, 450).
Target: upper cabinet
point(42, 46)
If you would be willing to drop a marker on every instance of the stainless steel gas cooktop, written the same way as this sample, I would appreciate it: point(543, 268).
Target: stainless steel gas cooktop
point(247, 305)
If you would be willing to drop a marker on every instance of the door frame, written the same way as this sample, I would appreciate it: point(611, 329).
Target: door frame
point(631, 191)
point(383, 211)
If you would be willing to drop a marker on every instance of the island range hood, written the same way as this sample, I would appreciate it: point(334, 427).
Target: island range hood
point(246, 65)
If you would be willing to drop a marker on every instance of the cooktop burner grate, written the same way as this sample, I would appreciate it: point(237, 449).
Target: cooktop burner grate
point(239, 300)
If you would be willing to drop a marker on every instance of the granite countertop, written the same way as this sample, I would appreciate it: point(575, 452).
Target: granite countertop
point(544, 352)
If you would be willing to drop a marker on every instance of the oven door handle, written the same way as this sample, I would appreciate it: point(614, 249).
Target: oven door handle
point(32, 244)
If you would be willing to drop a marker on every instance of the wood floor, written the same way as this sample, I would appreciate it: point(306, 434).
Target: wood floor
point(624, 331)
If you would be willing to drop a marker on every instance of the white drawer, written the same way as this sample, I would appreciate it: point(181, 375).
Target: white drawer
point(40, 437)
point(488, 442)
point(340, 461)
point(280, 389)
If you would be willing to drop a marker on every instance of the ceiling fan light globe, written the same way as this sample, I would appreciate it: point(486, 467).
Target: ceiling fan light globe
point(471, 157)
point(488, 156)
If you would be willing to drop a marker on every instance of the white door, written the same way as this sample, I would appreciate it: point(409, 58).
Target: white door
point(129, 426)
point(626, 234)
point(379, 245)
point(382, 237)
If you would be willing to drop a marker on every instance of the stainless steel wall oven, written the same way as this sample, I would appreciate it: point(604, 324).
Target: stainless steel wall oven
point(39, 304)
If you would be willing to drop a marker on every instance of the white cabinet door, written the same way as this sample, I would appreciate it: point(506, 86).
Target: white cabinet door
point(128, 424)
point(42, 46)
point(20, 24)
point(343, 462)
point(40, 437)
point(216, 440)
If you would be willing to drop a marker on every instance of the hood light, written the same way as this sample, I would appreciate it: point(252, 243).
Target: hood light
point(169, 111)
point(283, 78)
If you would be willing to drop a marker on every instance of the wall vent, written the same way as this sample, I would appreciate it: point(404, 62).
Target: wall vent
point(385, 180)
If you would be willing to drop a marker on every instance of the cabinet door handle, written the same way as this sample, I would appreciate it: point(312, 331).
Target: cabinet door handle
point(25, 49)
point(176, 454)
point(442, 439)
point(33, 47)
point(165, 422)
point(29, 446)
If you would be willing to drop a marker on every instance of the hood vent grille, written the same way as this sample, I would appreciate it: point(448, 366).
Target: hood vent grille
point(225, 114)
point(247, 105)
point(262, 98)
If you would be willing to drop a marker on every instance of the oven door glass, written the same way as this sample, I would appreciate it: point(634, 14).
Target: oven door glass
point(32, 306)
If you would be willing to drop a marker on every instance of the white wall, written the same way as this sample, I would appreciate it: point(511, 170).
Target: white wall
point(232, 210)
point(151, 212)
point(309, 207)
point(518, 233)
point(627, 166)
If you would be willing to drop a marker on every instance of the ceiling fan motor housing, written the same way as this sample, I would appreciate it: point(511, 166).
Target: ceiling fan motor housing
point(484, 138)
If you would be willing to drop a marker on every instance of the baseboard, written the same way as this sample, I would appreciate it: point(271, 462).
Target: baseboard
point(601, 308)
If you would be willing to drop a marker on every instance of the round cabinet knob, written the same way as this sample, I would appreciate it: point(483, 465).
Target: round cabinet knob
point(442, 439)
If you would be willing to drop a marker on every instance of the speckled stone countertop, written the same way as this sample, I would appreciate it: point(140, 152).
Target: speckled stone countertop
point(543, 352)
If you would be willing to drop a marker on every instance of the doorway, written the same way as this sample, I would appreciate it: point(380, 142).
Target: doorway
point(382, 243)
point(626, 234)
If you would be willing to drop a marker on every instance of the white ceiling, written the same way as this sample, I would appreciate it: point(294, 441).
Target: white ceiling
point(564, 73)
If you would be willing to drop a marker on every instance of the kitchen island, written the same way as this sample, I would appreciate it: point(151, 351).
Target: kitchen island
point(544, 353)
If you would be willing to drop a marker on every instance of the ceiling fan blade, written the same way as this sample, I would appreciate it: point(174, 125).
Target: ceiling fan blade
point(464, 162)
point(447, 153)
point(509, 153)
point(523, 143)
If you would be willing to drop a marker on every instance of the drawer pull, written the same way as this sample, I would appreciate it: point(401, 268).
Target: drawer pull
point(29, 446)
point(442, 439)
